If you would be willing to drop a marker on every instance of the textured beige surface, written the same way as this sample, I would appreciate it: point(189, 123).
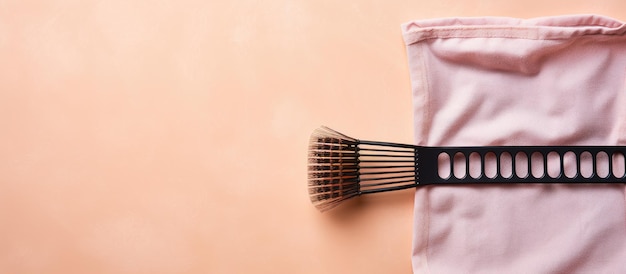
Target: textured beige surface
point(170, 136)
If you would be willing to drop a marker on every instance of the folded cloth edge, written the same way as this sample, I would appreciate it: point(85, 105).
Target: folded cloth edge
point(545, 28)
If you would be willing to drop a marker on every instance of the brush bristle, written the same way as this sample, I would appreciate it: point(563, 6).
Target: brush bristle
point(333, 168)
point(342, 167)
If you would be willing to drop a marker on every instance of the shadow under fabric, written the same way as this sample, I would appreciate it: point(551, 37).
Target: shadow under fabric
point(504, 81)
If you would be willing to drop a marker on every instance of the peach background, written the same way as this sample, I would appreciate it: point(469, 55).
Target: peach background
point(170, 136)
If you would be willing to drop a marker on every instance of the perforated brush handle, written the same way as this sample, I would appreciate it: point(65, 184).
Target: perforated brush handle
point(543, 164)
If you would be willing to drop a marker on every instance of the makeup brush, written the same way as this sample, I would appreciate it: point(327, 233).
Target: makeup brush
point(341, 167)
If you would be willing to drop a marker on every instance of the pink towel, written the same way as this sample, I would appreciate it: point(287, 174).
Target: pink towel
point(504, 81)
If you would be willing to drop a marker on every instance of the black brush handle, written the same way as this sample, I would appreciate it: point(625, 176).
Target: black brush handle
point(427, 164)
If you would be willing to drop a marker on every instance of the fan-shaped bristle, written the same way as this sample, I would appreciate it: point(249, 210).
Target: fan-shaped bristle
point(341, 167)
point(333, 168)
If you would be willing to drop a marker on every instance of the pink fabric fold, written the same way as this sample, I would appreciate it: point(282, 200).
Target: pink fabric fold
point(505, 81)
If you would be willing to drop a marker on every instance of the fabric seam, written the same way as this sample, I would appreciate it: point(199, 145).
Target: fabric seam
point(410, 39)
point(426, 97)
point(622, 130)
point(424, 131)
point(571, 30)
point(427, 228)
